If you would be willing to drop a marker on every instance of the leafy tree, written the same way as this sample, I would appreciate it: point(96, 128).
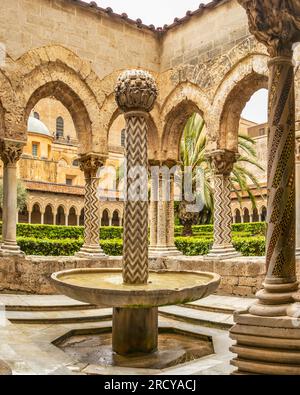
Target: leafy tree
point(22, 195)
point(193, 155)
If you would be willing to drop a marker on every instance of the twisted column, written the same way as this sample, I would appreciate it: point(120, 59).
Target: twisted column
point(135, 330)
point(10, 151)
point(264, 334)
point(281, 280)
point(222, 162)
point(90, 164)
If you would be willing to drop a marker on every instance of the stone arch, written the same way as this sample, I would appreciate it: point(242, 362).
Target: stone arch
point(105, 217)
point(58, 72)
point(110, 112)
point(11, 112)
point(237, 216)
point(247, 77)
point(183, 101)
point(255, 215)
point(116, 218)
point(61, 214)
point(49, 214)
point(72, 216)
point(246, 215)
point(36, 213)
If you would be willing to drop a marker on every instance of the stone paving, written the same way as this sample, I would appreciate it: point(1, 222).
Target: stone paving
point(27, 346)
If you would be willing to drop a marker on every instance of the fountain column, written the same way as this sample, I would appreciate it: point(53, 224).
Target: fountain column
point(162, 242)
point(222, 162)
point(10, 152)
point(90, 164)
point(135, 330)
point(267, 334)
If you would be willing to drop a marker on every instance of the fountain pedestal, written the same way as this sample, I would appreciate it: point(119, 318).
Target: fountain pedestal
point(135, 331)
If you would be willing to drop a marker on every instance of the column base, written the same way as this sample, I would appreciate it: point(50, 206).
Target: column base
point(266, 345)
point(10, 249)
point(294, 310)
point(91, 252)
point(298, 252)
point(274, 300)
point(164, 251)
point(223, 252)
point(135, 331)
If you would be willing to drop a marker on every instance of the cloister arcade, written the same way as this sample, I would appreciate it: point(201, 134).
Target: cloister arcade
point(93, 114)
point(197, 70)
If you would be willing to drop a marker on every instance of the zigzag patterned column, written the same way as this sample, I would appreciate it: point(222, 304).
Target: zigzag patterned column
point(135, 330)
point(222, 163)
point(135, 269)
point(90, 164)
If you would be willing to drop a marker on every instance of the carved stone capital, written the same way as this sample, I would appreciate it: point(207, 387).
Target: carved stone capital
point(136, 90)
point(222, 161)
point(11, 151)
point(275, 23)
point(90, 163)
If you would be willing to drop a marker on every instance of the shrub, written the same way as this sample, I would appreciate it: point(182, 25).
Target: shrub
point(252, 246)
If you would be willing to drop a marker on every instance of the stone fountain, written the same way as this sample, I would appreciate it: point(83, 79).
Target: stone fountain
point(135, 293)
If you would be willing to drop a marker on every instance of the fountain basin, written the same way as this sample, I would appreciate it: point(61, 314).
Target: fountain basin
point(104, 287)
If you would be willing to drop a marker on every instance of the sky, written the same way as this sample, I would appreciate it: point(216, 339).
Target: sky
point(159, 12)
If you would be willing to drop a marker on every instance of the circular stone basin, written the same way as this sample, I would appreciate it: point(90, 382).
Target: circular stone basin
point(105, 287)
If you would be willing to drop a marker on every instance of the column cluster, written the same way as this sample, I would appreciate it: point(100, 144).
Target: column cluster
point(90, 165)
point(162, 241)
point(10, 151)
point(222, 162)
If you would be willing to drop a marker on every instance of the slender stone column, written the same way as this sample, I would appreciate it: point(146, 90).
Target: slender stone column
point(297, 207)
point(42, 218)
point(135, 95)
point(153, 216)
point(10, 152)
point(162, 242)
point(222, 162)
point(90, 164)
point(268, 333)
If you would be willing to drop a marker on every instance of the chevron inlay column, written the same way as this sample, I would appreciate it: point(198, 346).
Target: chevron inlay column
point(222, 164)
point(135, 330)
point(268, 333)
point(90, 164)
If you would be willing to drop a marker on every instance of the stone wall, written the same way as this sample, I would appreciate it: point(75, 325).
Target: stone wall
point(240, 277)
point(108, 43)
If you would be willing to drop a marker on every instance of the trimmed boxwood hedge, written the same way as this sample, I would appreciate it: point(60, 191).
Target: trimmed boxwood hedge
point(190, 246)
point(114, 232)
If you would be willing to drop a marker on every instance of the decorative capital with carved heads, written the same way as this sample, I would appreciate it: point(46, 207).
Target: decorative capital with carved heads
point(136, 90)
point(275, 23)
point(90, 163)
point(11, 151)
point(222, 161)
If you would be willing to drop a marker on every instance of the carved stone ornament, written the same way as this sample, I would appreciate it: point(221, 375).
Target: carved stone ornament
point(136, 91)
point(222, 161)
point(275, 23)
point(90, 164)
point(11, 151)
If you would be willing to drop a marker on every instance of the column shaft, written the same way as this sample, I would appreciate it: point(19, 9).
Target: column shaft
point(135, 268)
point(281, 280)
point(222, 164)
point(11, 152)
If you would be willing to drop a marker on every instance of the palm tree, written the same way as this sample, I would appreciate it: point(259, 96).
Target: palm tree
point(192, 154)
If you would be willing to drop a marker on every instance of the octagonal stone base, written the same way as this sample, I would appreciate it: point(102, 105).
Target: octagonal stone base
point(174, 347)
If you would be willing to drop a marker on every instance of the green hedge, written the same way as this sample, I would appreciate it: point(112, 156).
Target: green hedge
point(190, 246)
point(65, 247)
point(55, 232)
